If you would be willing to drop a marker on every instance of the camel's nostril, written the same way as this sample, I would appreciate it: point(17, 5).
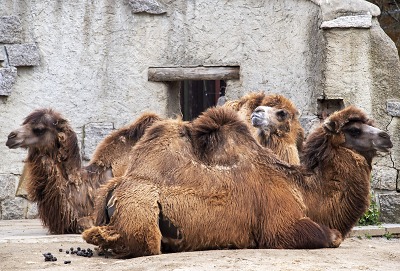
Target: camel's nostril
point(384, 135)
point(12, 135)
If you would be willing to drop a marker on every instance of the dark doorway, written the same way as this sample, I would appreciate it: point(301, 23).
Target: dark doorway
point(198, 95)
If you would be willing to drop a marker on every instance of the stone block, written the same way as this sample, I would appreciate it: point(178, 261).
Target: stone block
point(26, 54)
point(393, 108)
point(7, 184)
point(148, 6)
point(10, 29)
point(93, 134)
point(2, 55)
point(7, 80)
point(32, 211)
point(309, 123)
point(14, 208)
point(389, 207)
point(384, 178)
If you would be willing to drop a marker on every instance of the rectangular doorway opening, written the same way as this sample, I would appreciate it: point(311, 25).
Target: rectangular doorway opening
point(198, 95)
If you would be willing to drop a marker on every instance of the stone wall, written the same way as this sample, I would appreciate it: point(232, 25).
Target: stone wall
point(89, 60)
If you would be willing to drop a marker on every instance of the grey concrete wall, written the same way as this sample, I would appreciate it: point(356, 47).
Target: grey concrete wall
point(93, 58)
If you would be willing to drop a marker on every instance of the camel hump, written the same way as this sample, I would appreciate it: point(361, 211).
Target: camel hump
point(216, 128)
point(137, 129)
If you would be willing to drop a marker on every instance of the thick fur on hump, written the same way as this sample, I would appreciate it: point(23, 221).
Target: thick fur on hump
point(64, 191)
point(287, 140)
point(216, 187)
point(341, 176)
point(113, 151)
point(208, 134)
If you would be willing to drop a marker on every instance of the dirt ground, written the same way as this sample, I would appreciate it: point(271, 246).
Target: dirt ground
point(22, 244)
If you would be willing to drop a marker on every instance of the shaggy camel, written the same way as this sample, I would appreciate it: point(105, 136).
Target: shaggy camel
point(62, 189)
point(204, 185)
point(339, 156)
point(282, 133)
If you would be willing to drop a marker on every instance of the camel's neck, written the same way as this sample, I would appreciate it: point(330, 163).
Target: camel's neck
point(285, 150)
point(338, 191)
point(50, 173)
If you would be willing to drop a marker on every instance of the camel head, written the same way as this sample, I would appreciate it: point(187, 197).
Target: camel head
point(271, 120)
point(352, 129)
point(43, 130)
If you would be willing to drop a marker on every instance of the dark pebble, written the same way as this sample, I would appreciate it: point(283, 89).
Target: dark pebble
point(67, 262)
point(60, 250)
point(67, 251)
point(72, 249)
point(54, 259)
point(78, 248)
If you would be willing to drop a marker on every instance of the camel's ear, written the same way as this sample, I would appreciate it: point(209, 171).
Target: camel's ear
point(331, 126)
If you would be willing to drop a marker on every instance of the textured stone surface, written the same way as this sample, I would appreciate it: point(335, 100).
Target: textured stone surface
point(10, 29)
point(7, 186)
point(149, 6)
point(14, 208)
point(93, 134)
point(309, 123)
point(7, 80)
point(360, 21)
point(384, 178)
point(393, 108)
point(32, 211)
point(332, 9)
point(2, 56)
point(389, 207)
point(23, 54)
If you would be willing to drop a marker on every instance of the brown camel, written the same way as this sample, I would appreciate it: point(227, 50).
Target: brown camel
point(282, 133)
point(62, 189)
point(204, 185)
point(339, 156)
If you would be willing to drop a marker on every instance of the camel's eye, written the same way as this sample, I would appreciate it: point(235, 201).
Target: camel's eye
point(39, 131)
point(282, 114)
point(354, 132)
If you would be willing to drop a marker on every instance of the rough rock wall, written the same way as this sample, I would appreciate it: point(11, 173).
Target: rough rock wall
point(94, 57)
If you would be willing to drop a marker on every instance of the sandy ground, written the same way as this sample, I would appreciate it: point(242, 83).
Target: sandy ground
point(23, 242)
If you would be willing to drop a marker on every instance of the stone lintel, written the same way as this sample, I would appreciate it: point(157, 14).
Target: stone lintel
point(357, 21)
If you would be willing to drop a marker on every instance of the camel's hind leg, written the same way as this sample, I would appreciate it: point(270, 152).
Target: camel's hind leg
point(308, 234)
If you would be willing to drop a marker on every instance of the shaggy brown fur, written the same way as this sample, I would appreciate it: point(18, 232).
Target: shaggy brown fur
point(283, 134)
point(62, 189)
point(204, 185)
point(340, 153)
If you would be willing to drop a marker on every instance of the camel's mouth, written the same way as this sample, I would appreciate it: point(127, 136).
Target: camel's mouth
point(13, 144)
point(383, 147)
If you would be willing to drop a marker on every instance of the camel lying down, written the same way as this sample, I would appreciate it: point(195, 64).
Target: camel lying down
point(204, 185)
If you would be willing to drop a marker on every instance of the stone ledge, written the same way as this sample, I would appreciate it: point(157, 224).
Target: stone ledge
point(375, 231)
point(358, 21)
